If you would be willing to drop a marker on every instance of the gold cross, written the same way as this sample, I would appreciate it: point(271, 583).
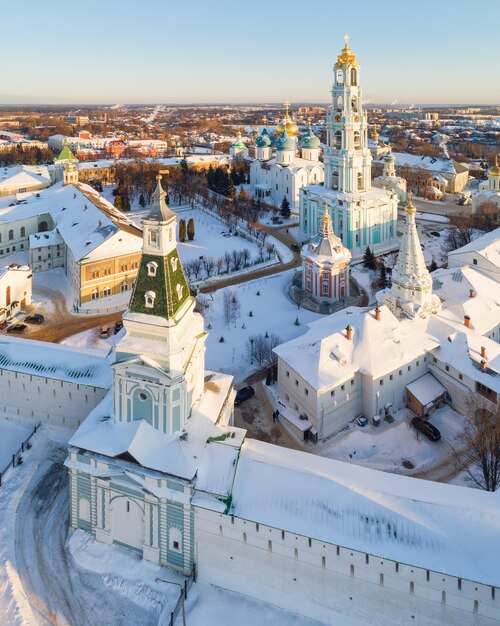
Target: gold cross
point(346, 39)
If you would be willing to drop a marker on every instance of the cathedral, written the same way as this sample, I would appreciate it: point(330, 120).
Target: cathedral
point(278, 171)
point(362, 215)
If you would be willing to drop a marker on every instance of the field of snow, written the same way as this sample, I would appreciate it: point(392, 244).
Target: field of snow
point(385, 447)
point(272, 311)
point(11, 437)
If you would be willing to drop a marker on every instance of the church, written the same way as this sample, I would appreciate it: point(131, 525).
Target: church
point(489, 191)
point(283, 165)
point(363, 215)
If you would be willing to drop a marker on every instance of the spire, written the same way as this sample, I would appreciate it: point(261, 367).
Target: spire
point(160, 211)
point(411, 288)
point(326, 243)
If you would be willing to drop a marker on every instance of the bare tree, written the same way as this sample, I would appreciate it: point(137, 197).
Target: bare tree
point(188, 268)
point(227, 261)
point(260, 348)
point(230, 307)
point(196, 267)
point(208, 265)
point(202, 304)
point(480, 458)
point(245, 255)
point(269, 250)
point(237, 259)
point(220, 265)
point(261, 251)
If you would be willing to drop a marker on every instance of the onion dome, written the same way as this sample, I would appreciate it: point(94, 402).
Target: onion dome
point(495, 170)
point(389, 157)
point(285, 142)
point(239, 143)
point(310, 140)
point(346, 57)
point(287, 124)
point(263, 140)
point(375, 135)
point(326, 245)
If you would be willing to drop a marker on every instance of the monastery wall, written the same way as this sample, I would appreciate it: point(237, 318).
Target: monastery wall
point(47, 400)
point(320, 580)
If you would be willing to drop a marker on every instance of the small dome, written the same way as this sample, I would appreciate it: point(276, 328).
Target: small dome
point(285, 142)
point(495, 170)
point(289, 125)
point(310, 140)
point(389, 157)
point(263, 139)
point(239, 143)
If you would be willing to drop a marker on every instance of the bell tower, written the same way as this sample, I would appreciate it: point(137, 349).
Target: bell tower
point(347, 157)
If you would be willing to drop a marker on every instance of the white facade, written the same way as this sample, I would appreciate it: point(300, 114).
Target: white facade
point(363, 216)
point(489, 192)
point(482, 253)
point(389, 179)
point(15, 289)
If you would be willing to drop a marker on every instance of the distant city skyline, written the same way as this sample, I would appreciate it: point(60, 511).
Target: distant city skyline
point(226, 53)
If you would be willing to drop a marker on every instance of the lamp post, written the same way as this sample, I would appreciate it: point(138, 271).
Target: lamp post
point(181, 587)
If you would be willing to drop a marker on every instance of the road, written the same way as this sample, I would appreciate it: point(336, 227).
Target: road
point(59, 592)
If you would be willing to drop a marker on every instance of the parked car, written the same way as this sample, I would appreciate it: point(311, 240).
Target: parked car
point(296, 247)
point(244, 394)
point(19, 329)
point(105, 332)
point(361, 421)
point(36, 318)
point(118, 327)
point(426, 428)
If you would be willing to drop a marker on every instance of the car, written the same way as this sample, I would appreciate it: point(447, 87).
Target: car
point(361, 421)
point(36, 318)
point(118, 327)
point(105, 332)
point(245, 393)
point(19, 329)
point(426, 428)
point(295, 247)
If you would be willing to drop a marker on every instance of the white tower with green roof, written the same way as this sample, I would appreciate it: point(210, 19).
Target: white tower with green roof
point(159, 369)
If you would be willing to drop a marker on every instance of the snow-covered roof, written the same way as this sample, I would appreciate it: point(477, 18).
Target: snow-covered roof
point(445, 528)
point(24, 176)
point(41, 240)
point(324, 357)
point(178, 455)
point(487, 246)
point(60, 362)
point(433, 164)
point(426, 389)
point(90, 225)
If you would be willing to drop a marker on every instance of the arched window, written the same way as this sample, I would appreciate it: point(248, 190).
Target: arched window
point(340, 77)
point(95, 294)
point(149, 299)
point(340, 103)
point(338, 139)
point(357, 139)
point(335, 179)
point(23, 231)
point(178, 288)
point(124, 287)
point(153, 238)
point(106, 291)
point(354, 77)
point(152, 267)
point(84, 510)
point(174, 539)
point(173, 262)
point(360, 181)
point(43, 227)
point(11, 235)
point(354, 104)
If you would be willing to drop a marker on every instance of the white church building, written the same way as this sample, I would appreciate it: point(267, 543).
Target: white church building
point(293, 164)
point(363, 215)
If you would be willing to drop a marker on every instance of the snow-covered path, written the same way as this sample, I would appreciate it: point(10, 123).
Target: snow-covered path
point(57, 589)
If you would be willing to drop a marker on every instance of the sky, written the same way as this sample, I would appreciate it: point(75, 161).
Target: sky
point(253, 51)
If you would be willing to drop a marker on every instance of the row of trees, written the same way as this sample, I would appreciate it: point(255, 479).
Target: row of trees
point(25, 156)
point(230, 261)
point(464, 226)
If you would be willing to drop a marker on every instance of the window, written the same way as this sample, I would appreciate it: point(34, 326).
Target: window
point(352, 382)
point(152, 267)
point(107, 270)
point(124, 287)
point(488, 393)
point(332, 393)
point(418, 363)
point(179, 290)
point(342, 387)
point(95, 294)
point(11, 235)
point(460, 377)
point(447, 368)
point(390, 376)
point(409, 368)
point(175, 539)
point(381, 381)
point(153, 238)
point(106, 291)
point(400, 372)
point(288, 374)
point(474, 261)
point(149, 299)
point(296, 383)
point(23, 231)
point(306, 391)
point(173, 262)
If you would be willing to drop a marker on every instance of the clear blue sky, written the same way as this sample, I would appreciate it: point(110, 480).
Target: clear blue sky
point(150, 51)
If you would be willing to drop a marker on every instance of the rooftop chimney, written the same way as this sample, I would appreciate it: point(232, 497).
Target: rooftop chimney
point(377, 313)
point(484, 364)
point(483, 352)
point(467, 321)
point(471, 293)
point(348, 332)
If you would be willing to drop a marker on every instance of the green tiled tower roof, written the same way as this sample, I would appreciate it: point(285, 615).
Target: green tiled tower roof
point(165, 285)
point(66, 154)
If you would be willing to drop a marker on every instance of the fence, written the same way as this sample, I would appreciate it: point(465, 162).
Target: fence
point(15, 457)
point(167, 616)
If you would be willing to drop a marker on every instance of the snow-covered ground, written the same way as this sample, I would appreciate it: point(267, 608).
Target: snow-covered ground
point(90, 339)
point(272, 312)
point(12, 435)
point(386, 447)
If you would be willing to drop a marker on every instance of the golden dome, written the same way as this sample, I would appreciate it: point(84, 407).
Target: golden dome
point(375, 134)
point(287, 123)
point(280, 128)
point(346, 57)
point(495, 170)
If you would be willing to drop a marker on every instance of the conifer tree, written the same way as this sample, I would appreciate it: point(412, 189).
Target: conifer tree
point(190, 229)
point(118, 202)
point(285, 208)
point(369, 259)
point(142, 202)
point(182, 230)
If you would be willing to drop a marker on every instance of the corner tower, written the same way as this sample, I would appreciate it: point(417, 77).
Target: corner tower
point(159, 368)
